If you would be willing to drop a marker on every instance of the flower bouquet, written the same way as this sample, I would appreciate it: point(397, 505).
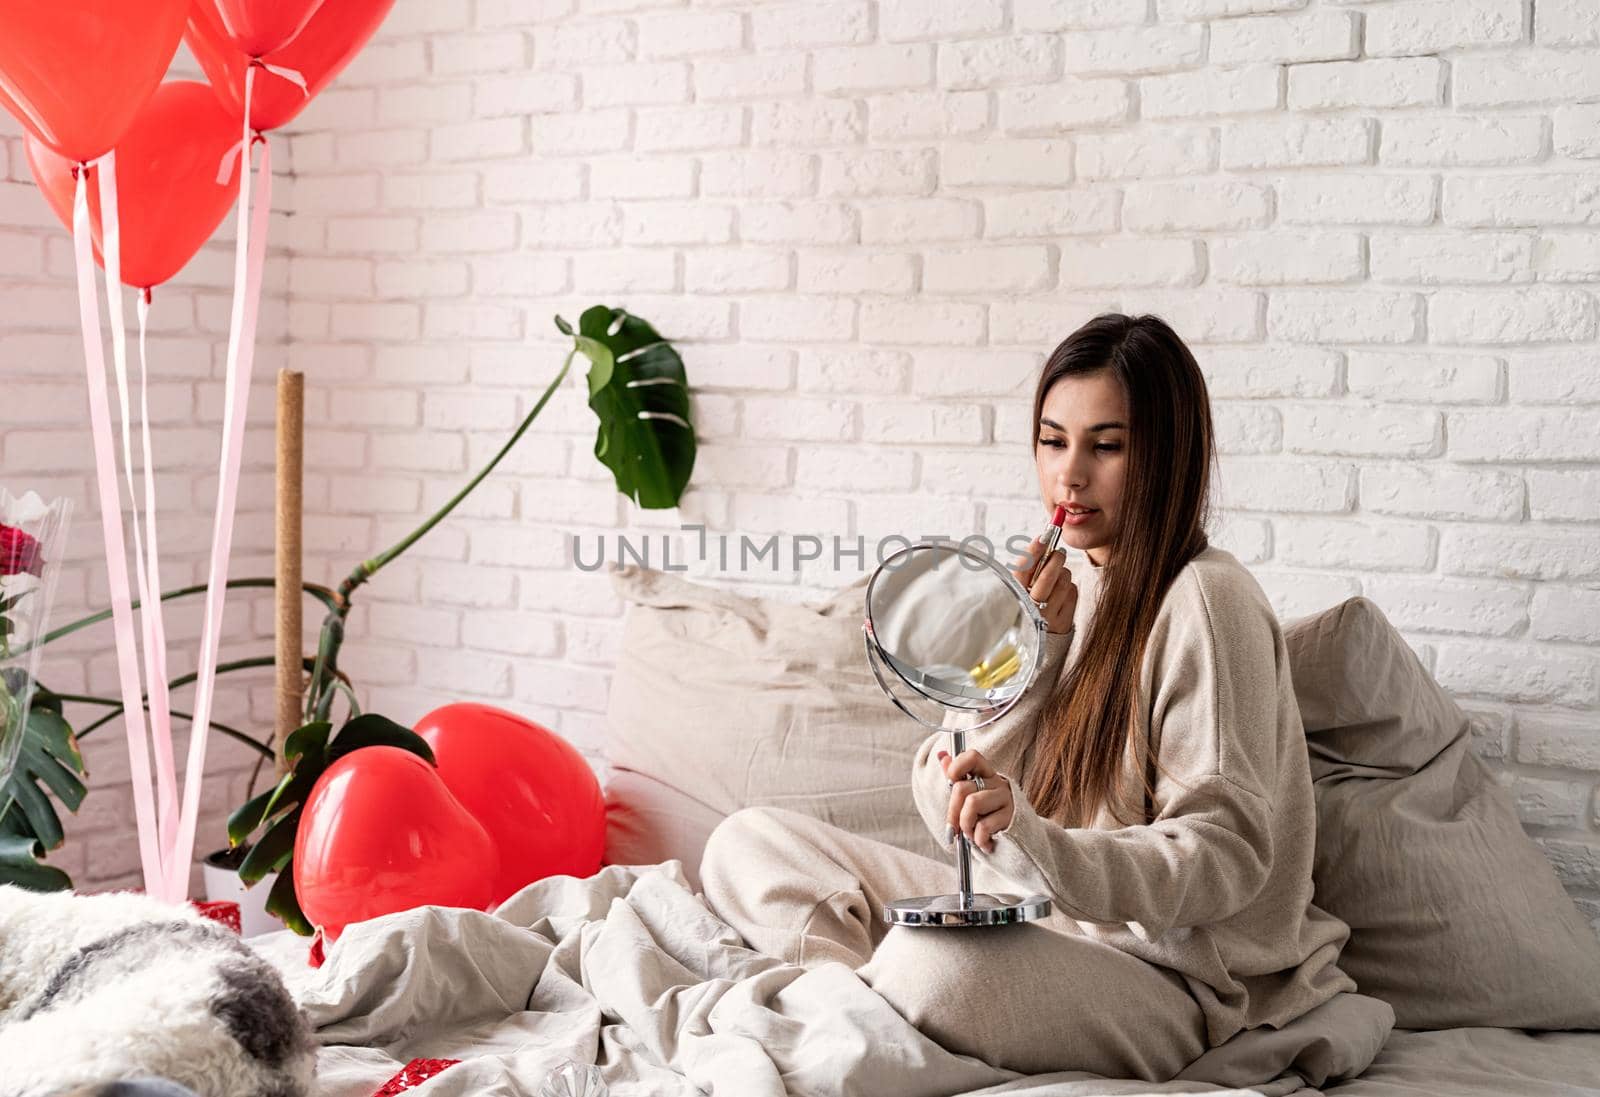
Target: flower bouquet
point(31, 536)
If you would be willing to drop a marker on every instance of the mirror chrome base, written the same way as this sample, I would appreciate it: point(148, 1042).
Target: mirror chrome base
point(980, 909)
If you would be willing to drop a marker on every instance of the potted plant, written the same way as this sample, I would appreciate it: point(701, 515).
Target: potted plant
point(638, 390)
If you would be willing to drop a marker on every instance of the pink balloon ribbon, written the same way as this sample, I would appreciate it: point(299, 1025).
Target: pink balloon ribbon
point(294, 76)
point(166, 823)
point(249, 258)
point(150, 854)
point(146, 570)
point(160, 702)
point(232, 156)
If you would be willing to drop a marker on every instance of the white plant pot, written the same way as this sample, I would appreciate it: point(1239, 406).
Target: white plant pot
point(222, 882)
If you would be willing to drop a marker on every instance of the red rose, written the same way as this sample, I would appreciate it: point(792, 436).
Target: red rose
point(19, 552)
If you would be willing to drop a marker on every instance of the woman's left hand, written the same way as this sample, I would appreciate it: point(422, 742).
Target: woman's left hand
point(977, 813)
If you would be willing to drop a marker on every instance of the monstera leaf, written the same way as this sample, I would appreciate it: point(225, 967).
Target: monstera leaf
point(309, 750)
point(49, 760)
point(638, 389)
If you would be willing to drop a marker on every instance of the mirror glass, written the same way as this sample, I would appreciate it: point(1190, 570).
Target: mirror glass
point(954, 626)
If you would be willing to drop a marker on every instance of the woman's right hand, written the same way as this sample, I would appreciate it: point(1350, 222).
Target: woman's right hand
point(1053, 589)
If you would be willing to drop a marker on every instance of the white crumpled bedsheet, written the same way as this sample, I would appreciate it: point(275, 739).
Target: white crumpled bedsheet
point(630, 970)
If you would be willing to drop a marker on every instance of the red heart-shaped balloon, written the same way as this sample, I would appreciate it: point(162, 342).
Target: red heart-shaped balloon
point(335, 33)
point(381, 833)
point(168, 199)
point(257, 27)
point(532, 791)
point(75, 74)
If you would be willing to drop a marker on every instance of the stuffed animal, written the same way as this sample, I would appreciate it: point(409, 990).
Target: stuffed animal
point(101, 989)
point(147, 1087)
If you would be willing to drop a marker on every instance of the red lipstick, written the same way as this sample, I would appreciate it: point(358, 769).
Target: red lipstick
point(1047, 544)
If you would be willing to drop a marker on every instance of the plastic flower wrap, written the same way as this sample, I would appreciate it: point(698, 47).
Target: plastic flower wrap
point(574, 1079)
point(32, 533)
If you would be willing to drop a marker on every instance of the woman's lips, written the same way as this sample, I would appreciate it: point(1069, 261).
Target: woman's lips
point(1080, 518)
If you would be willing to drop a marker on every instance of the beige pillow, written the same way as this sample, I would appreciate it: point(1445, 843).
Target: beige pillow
point(1456, 917)
point(731, 701)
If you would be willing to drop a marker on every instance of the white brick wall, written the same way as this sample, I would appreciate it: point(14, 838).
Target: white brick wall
point(865, 224)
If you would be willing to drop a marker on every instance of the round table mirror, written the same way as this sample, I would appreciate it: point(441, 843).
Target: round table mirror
point(954, 640)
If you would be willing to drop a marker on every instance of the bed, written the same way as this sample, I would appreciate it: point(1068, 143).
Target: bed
point(630, 970)
point(1485, 973)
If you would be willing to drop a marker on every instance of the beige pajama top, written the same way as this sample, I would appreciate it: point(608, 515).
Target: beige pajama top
point(1217, 887)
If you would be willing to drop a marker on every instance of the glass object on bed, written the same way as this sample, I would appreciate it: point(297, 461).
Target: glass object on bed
point(574, 1079)
point(954, 640)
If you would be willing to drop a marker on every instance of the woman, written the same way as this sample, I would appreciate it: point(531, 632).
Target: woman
point(1153, 782)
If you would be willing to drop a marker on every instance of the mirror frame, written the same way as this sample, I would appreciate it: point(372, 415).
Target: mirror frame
point(878, 658)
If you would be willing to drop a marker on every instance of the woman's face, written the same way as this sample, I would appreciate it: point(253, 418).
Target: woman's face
point(1082, 452)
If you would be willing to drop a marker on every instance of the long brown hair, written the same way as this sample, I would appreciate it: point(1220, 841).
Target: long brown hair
point(1080, 749)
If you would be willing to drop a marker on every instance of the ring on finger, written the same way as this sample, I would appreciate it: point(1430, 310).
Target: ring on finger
point(977, 782)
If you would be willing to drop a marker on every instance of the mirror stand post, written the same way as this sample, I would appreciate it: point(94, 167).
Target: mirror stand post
point(963, 846)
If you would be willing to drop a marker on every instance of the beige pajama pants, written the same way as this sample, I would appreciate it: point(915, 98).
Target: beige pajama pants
point(1034, 998)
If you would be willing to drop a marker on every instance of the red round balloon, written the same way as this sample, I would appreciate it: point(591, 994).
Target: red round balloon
point(532, 791)
point(335, 33)
point(381, 833)
point(168, 199)
point(257, 27)
point(75, 74)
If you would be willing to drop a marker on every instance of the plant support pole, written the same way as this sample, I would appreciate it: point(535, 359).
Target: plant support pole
point(291, 449)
